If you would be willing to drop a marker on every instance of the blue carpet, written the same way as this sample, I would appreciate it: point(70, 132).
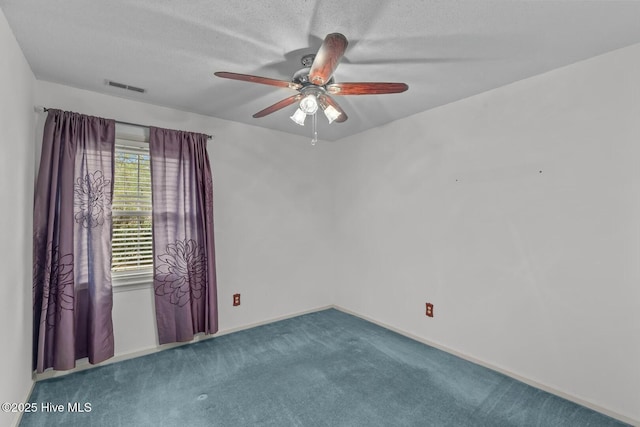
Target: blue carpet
point(321, 369)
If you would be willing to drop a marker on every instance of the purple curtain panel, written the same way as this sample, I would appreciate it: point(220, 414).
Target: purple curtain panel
point(183, 245)
point(72, 297)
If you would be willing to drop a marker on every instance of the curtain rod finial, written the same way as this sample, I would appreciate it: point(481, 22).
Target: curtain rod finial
point(39, 109)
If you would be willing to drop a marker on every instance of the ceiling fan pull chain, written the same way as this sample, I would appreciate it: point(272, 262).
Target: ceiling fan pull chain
point(314, 130)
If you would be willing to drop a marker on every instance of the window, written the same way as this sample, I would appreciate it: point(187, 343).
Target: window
point(132, 253)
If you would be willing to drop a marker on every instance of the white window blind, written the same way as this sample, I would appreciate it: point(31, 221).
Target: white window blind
point(131, 210)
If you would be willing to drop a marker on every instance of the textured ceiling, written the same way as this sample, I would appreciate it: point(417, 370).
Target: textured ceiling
point(444, 50)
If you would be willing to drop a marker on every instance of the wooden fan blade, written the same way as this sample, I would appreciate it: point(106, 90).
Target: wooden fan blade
point(364, 88)
point(258, 79)
point(278, 105)
point(327, 58)
point(326, 100)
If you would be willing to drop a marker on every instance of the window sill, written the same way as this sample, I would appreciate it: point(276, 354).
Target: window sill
point(122, 282)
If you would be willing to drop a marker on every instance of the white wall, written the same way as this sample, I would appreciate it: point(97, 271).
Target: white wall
point(16, 192)
point(271, 205)
point(533, 273)
point(517, 213)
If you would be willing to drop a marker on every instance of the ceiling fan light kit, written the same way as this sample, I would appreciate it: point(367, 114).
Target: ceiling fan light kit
point(309, 104)
point(315, 85)
point(331, 113)
point(299, 117)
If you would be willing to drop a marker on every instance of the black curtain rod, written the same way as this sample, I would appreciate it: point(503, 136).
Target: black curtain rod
point(126, 123)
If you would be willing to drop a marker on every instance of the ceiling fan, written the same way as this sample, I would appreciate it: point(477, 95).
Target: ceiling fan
point(315, 84)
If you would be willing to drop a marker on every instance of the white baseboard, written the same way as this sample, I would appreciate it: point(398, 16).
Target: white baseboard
point(83, 364)
point(19, 419)
point(513, 375)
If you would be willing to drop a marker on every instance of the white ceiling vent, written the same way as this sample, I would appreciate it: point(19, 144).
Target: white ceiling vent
point(126, 87)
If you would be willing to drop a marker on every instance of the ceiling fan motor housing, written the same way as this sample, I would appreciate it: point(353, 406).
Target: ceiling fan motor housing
point(302, 77)
point(307, 60)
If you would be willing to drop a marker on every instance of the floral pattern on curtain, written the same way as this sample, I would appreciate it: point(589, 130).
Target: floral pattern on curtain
point(72, 297)
point(183, 244)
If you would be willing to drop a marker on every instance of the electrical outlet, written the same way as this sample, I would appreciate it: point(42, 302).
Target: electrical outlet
point(429, 311)
point(236, 300)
